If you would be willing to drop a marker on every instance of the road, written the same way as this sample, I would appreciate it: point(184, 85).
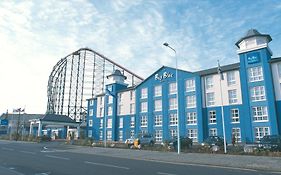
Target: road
point(18, 158)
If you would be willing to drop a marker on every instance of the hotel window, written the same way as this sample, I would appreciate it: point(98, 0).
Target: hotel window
point(173, 103)
point(132, 133)
point(210, 99)
point(279, 69)
point(120, 122)
point(232, 96)
point(190, 85)
point(132, 122)
point(158, 135)
point(110, 99)
point(108, 135)
point(120, 109)
point(143, 121)
point(144, 93)
point(143, 132)
point(209, 82)
point(260, 113)
point(143, 106)
point(158, 120)
point(158, 105)
point(173, 133)
point(120, 135)
point(158, 91)
point(101, 112)
point(173, 119)
point(257, 93)
point(212, 117)
point(191, 101)
point(191, 118)
point(237, 134)
point(235, 116)
point(101, 135)
point(109, 110)
point(101, 123)
point(213, 132)
point(91, 112)
point(120, 95)
point(230, 78)
point(260, 132)
point(192, 134)
point(132, 108)
point(101, 100)
point(109, 123)
point(91, 102)
point(132, 95)
point(90, 123)
point(255, 74)
point(172, 88)
point(90, 133)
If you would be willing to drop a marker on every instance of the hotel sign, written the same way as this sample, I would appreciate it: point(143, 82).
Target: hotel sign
point(4, 122)
point(253, 58)
point(163, 76)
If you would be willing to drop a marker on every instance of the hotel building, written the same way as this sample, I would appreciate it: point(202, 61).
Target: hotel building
point(246, 95)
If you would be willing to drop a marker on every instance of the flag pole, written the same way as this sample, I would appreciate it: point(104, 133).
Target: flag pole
point(222, 112)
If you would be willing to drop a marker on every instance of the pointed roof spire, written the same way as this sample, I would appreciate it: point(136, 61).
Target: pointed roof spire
point(252, 33)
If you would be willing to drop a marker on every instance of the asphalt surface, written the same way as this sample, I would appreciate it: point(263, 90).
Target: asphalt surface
point(55, 158)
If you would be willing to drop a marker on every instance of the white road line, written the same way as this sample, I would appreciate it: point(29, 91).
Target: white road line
point(57, 157)
point(165, 173)
point(202, 165)
point(107, 165)
point(8, 149)
point(28, 152)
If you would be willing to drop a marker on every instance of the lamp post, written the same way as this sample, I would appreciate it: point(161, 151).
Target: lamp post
point(178, 125)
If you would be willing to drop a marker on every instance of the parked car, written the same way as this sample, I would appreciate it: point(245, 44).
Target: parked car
point(185, 142)
point(146, 139)
point(270, 142)
point(130, 141)
point(212, 141)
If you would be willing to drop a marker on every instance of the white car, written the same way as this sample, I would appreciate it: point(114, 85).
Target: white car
point(129, 141)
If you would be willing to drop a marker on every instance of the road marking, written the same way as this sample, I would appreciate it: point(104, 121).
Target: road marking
point(28, 152)
point(275, 172)
point(57, 157)
point(107, 165)
point(183, 163)
point(8, 149)
point(200, 165)
point(47, 173)
point(165, 173)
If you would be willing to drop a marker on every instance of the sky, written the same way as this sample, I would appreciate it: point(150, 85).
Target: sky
point(35, 35)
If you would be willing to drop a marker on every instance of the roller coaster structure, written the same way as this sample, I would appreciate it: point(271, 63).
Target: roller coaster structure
point(79, 76)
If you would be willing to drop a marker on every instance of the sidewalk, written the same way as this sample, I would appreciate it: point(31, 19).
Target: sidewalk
point(236, 161)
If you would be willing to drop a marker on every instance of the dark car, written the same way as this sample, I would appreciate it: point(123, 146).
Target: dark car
point(185, 142)
point(146, 139)
point(212, 141)
point(271, 142)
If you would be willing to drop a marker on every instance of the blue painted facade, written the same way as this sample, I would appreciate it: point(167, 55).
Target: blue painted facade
point(165, 76)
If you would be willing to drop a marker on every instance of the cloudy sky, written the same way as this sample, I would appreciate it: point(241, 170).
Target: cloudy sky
point(34, 35)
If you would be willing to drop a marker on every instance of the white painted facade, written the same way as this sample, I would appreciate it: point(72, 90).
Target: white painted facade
point(276, 75)
point(253, 43)
point(100, 106)
point(126, 102)
point(225, 89)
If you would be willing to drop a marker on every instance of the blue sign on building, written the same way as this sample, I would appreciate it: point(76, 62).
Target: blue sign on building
point(253, 58)
point(4, 122)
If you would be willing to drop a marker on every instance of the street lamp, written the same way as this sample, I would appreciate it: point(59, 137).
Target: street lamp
point(178, 125)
